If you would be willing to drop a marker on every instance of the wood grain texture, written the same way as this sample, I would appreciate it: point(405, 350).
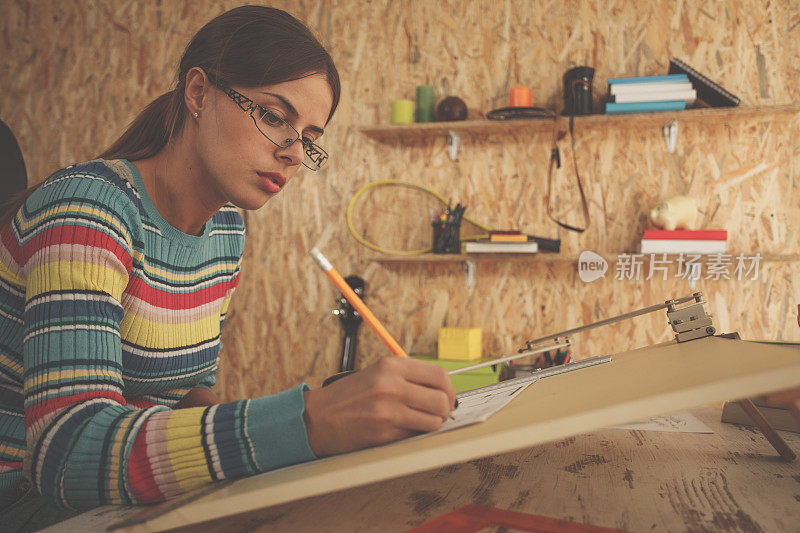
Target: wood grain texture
point(628, 479)
point(633, 386)
point(73, 73)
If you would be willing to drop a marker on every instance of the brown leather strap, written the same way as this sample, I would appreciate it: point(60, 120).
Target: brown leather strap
point(556, 160)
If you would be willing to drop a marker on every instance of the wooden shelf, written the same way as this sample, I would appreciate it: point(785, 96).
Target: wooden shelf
point(542, 257)
point(702, 116)
point(478, 258)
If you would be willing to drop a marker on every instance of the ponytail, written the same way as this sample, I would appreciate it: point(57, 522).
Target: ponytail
point(151, 130)
point(9, 207)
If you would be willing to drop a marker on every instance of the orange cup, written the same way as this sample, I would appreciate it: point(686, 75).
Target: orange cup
point(520, 97)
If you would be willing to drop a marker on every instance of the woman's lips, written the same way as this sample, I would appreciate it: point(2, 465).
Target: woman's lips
point(272, 181)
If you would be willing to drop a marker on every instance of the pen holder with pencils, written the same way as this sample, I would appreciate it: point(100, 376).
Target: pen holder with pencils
point(447, 230)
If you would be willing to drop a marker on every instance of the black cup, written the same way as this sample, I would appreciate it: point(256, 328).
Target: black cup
point(578, 91)
point(446, 238)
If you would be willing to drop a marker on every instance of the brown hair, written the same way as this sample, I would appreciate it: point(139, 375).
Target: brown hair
point(249, 46)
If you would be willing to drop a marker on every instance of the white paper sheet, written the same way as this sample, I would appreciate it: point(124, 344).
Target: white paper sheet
point(676, 423)
point(477, 405)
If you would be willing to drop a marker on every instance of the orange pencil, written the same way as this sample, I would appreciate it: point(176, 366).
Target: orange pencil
point(357, 303)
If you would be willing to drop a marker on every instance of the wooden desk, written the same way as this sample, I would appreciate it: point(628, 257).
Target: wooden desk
point(730, 480)
point(521, 447)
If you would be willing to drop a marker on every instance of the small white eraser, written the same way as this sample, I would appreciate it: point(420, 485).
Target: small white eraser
point(323, 263)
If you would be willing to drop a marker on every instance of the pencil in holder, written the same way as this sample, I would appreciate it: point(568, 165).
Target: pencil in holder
point(446, 238)
point(447, 230)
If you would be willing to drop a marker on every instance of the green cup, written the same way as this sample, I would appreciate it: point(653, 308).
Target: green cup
point(425, 103)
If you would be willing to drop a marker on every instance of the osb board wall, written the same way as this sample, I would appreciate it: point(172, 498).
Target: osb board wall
point(75, 72)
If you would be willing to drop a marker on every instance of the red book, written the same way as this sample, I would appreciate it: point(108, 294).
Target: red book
point(686, 235)
point(505, 232)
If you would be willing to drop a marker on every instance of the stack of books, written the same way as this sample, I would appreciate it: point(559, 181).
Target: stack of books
point(681, 241)
point(503, 241)
point(650, 93)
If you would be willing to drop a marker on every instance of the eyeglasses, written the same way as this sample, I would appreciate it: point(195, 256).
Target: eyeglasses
point(276, 129)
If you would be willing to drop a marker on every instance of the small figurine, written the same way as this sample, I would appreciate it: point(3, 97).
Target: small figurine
point(676, 212)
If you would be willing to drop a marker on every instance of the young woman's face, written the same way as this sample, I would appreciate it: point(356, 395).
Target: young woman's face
point(241, 165)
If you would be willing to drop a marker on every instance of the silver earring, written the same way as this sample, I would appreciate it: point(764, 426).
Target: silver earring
point(196, 114)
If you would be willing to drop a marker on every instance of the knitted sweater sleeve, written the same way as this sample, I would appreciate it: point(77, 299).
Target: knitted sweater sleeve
point(85, 445)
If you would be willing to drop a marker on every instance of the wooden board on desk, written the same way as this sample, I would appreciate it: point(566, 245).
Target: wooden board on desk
point(633, 480)
point(635, 385)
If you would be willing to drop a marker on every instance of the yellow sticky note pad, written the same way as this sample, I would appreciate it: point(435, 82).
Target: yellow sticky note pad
point(460, 344)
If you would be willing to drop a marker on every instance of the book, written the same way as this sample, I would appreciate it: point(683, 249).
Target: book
point(659, 96)
point(650, 79)
point(686, 234)
point(778, 417)
point(637, 88)
point(505, 232)
point(529, 247)
point(707, 90)
point(507, 236)
point(686, 246)
point(645, 107)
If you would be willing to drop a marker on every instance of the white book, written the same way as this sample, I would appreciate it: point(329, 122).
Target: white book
point(649, 87)
point(688, 95)
point(529, 247)
point(685, 246)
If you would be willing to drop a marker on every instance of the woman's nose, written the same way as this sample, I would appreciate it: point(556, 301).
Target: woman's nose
point(292, 154)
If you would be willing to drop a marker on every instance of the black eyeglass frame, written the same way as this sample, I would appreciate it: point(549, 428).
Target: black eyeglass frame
point(313, 152)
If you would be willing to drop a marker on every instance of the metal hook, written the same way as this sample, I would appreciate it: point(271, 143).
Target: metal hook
point(469, 270)
point(453, 140)
point(671, 134)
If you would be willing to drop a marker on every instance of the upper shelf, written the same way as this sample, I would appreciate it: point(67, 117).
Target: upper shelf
point(705, 116)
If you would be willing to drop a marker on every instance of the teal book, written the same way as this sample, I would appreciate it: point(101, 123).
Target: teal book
point(645, 107)
point(650, 79)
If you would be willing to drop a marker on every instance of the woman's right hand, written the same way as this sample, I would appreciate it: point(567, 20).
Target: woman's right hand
point(392, 399)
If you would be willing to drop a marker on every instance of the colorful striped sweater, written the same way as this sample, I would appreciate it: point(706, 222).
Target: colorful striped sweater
point(108, 317)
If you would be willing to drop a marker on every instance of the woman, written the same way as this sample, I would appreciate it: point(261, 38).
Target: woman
point(115, 276)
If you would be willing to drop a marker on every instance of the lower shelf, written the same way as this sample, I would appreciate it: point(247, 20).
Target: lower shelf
point(546, 257)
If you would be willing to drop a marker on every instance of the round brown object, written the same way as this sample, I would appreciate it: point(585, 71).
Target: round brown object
point(451, 108)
